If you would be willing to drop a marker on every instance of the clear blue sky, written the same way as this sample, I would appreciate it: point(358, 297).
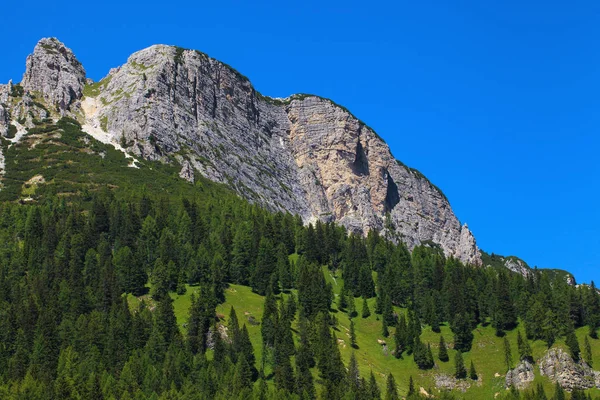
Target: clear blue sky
point(496, 102)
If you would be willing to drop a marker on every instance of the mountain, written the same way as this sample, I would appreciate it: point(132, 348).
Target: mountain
point(303, 154)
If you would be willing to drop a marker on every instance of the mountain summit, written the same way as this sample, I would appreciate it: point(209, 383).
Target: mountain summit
point(303, 154)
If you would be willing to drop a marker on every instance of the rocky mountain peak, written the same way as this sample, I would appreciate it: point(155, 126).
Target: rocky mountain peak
point(53, 71)
point(303, 154)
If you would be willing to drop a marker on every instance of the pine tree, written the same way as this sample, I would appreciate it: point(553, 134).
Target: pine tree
point(422, 355)
point(505, 316)
point(352, 335)
point(391, 388)
point(284, 268)
point(411, 387)
point(460, 372)
point(507, 354)
point(304, 361)
point(472, 372)
point(559, 392)
point(540, 394)
point(351, 306)
point(587, 352)
point(246, 349)
point(443, 350)
point(342, 302)
point(353, 376)
point(241, 260)
point(266, 264)
point(374, 392)
point(524, 348)
point(573, 344)
point(384, 328)
point(549, 328)
point(463, 336)
point(366, 312)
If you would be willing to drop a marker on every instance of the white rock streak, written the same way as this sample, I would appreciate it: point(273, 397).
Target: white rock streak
point(92, 127)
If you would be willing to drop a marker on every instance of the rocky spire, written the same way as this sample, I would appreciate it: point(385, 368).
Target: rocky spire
point(54, 72)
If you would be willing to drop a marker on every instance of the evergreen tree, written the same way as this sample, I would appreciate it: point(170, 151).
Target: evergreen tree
point(391, 392)
point(573, 344)
point(443, 350)
point(352, 335)
point(472, 372)
point(587, 352)
point(305, 387)
point(411, 387)
point(422, 355)
point(241, 255)
point(353, 377)
point(460, 372)
point(559, 392)
point(284, 267)
point(384, 328)
point(266, 263)
point(549, 328)
point(374, 392)
point(400, 336)
point(524, 348)
point(540, 394)
point(351, 306)
point(505, 316)
point(507, 354)
point(342, 302)
point(463, 336)
point(366, 312)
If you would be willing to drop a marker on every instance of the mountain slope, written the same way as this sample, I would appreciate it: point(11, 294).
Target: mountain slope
point(303, 154)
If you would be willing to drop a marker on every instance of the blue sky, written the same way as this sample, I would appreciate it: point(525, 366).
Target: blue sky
point(496, 102)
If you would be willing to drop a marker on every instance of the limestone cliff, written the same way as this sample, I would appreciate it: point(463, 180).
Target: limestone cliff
point(303, 154)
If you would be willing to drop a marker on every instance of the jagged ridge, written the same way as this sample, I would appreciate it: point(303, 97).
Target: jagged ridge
point(304, 154)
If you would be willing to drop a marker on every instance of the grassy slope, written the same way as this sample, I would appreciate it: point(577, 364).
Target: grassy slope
point(487, 353)
point(73, 164)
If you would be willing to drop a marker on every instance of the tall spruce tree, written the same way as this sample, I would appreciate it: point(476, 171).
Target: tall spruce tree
point(391, 392)
point(460, 372)
point(366, 312)
point(443, 350)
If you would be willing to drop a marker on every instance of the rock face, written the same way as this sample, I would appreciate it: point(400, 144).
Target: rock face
point(303, 154)
point(448, 382)
point(521, 376)
point(53, 71)
point(559, 367)
point(517, 266)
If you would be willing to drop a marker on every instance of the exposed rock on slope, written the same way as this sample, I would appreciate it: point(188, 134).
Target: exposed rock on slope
point(559, 366)
point(54, 72)
point(520, 376)
point(303, 154)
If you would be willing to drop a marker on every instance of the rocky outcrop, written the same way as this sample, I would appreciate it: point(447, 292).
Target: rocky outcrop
point(54, 72)
point(4, 120)
point(520, 376)
point(303, 154)
point(518, 266)
point(559, 367)
point(448, 382)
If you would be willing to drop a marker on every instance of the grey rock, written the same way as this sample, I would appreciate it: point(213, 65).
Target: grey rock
point(559, 367)
point(520, 376)
point(54, 72)
point(187, 172)
point(448, 382)
point(303, 154)
point(27, 111)
point(4, 120)
point(517, 266)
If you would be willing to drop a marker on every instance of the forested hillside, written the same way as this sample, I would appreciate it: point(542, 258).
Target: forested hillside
point(119, 292)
